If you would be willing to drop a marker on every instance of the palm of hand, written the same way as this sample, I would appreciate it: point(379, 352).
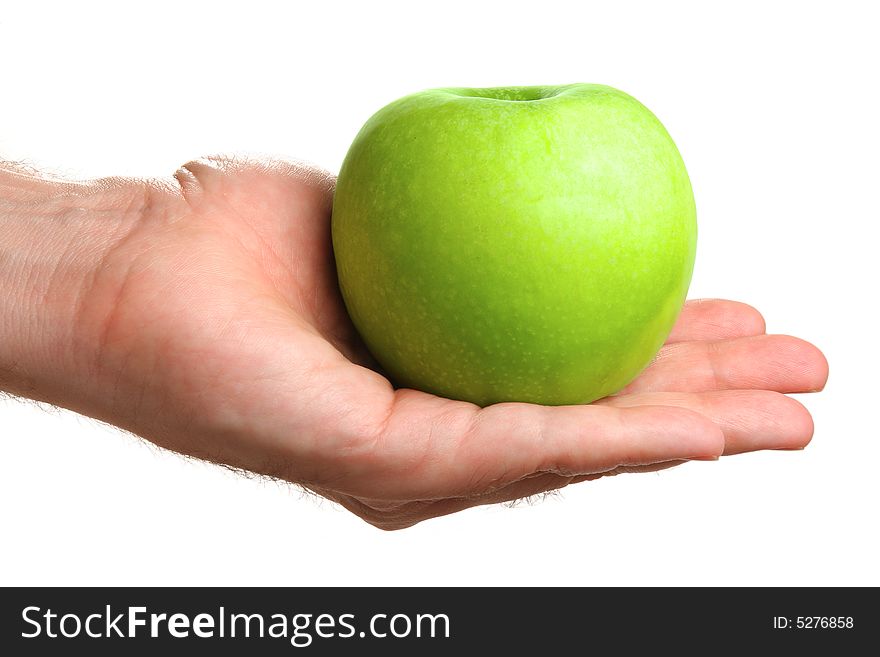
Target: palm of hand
point(222, 335)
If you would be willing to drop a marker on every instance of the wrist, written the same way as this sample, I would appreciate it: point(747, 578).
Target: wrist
point(53, 238)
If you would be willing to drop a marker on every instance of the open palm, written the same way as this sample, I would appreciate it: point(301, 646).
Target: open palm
point(221, 334)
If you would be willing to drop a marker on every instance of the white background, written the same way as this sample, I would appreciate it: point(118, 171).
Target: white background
point(775, 109)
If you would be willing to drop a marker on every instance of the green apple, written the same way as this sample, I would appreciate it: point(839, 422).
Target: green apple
point(514, 244)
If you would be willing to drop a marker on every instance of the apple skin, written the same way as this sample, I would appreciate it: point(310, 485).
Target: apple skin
point(529, 244)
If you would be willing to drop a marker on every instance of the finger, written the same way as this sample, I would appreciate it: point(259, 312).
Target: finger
point(546, 482)
point(434, 448)
point(750, 419)
point(636, 469)
point(766, 362)
point(214, 171)
point(391, 516)
point(716, 319)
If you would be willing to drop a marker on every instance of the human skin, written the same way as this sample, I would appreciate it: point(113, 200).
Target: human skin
point(201, 312)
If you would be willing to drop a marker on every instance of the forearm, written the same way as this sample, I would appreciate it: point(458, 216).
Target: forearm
point(53, 239)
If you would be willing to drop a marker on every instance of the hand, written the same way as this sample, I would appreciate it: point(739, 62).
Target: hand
point(213, 326)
